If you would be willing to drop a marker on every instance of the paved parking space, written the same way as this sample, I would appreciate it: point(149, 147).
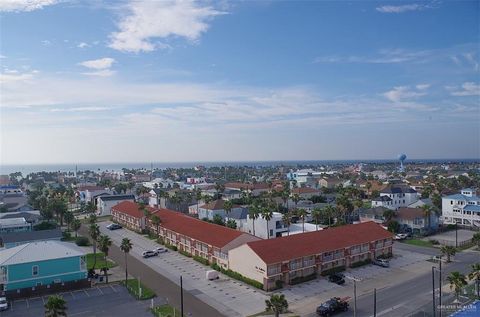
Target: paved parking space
point(106, 300)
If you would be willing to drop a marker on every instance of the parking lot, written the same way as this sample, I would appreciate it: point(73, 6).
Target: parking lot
point(106, 300)
point(448, 238)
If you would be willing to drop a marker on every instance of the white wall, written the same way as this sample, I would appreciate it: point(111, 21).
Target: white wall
point(246, 262)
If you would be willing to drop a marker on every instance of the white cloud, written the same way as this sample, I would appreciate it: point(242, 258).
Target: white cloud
point(467, 89)
point(82, 45)
point(401, 93)
point(46, 43)
point(24, 5)
point(100, 73)
point(385, 56)
point(102, 63)
point(406, 7)
point(144, 21)
point(10, 76)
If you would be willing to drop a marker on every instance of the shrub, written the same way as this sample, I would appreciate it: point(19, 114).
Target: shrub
point(237, 276)
point(82, 241)
point(201, 260)
point(333, 270)
point(301, 279)
point(184, 253)
point(451, 227)
point(45, 225)
point(435, 242)
point(171, 246)
point(360, 263)
point(278, 284)
point(385, 256)
point(160, 240)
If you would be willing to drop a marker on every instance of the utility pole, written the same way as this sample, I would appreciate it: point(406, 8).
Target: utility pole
point(354, 293)
point(433, 291)
point(374, 302)
point(181, 295)
point(440, 287)
point(456, 234)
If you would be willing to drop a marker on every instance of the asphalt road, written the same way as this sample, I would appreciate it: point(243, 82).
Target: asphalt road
point(160, 285)
point(412, 296)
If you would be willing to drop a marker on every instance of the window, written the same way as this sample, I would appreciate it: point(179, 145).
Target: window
point(271, 232)
point(35, 270)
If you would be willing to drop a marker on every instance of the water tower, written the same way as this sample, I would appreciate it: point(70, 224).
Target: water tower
point(402, 158)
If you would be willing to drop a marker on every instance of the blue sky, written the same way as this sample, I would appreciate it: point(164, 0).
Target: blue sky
point(100, 81)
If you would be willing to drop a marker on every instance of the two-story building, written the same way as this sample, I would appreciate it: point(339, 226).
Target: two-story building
point(264, 229)
point(40, 265)
point(105, 203)
point(216, 207)
point(396, 196)
point(462, 208)
point(288, 260)
point(416, 219)
point(197, 237)
point(14, 225)
point(131, 215)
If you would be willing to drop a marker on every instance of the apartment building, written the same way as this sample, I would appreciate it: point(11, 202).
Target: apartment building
point(396, 196)
point(289, 258)
point(463, 208)
point(130, 215)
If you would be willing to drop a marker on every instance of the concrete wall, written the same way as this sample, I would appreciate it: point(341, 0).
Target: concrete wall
point(246, 262)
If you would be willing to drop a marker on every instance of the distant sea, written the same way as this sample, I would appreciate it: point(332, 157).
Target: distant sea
point(26, 169)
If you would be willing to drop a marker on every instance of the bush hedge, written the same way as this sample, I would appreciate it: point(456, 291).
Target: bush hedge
point(45, 225)
point(171, 246)
point(237, 276)
point(333, 270)
point(201, 260)
point(160, 240)
point(301, 279)
point(82, 241)
point(184, 253)
point(385, 256)
point(360, 263)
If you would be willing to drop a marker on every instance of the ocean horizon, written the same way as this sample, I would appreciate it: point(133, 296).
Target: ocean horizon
point(26, 169)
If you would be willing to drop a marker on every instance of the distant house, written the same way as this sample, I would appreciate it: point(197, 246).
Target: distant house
point(462, 208)
point(306, 192)
point(416, 219)
point(330, 182)
point(239, 215)
point(129, 214)
point(13, 239)
point(254, 189)
point(105, 203)
point(372, 214)
point(213, 208)
point(14, 225)
point(395, 196)
point(88, 193)
point(40, 264)
point(33, 217)
point(14, 201)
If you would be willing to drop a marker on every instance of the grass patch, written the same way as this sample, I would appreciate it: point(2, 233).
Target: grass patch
point(165, 311)
point(419, 243)
point(237, 276)
point(141, 293)
point(270, 313)
point(100, 261)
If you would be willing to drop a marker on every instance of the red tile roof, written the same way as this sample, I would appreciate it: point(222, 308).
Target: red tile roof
point(316, 242)
point(304, 190)
point(131, 208)
point(218, 204)
point(203, 231)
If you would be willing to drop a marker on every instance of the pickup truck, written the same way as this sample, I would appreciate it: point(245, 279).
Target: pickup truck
point(333, 306)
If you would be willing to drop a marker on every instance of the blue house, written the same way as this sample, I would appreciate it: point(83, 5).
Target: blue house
point(40, 264)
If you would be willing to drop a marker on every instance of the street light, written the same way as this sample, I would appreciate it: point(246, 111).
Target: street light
point(433, 290)
point(354, 293)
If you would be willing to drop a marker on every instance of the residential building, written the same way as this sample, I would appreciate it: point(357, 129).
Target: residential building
point(258, 227)
point(416, 219)
point(375, 214)
point(395, 196)
point(254, 189)
point(13, 239)
point(239, 215)
point(105, 203)
point(199, 238)
point(216, 207)
point(287, 259)
point(89, 193)
point(306, 192)
point(330, 182)
point(37, 264)
point(14, 225)
point(130, 215)
point(463, 208)
point(33, 217)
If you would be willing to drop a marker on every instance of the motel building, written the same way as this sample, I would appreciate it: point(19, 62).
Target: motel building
point(130, 215)
point(296, 258)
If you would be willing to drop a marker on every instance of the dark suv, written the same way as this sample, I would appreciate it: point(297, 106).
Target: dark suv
point(337, 278)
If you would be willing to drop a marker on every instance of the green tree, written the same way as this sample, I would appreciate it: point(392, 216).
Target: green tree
point(302, 213)
point(104, 244)
point(126, 246)
point(296, 198)
point(277, 304)
point(156, 221)
point(55, 306)
point(267, 214)
point(287, 221)
point(316, 216)
point(232, 224)
point(254, 213)
point(474, 275)
point(388, 214)
point(393, 226)
point(427, 213)
point(76, 224)
point(217, 219)
point(329, 212)
point(448, 251)
point(69, 217)
point(227, 206)
point(90, 207)
point(94, 232)
point(457, 282)
point(92, 219)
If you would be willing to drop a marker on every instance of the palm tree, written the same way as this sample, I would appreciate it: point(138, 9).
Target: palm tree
point(286, 218)
point(316, 215)
point(388, 214)
point(55, 306)
point(94, 232)
point(156, 222)
point(448, 251)
point(253, 213)
point(427, 213)
point(68, 217)
point(267, 214)
point(457, 282)
point(92, 218)
point(76, 224)
point(296, 198)
point(126, 246)
point(475, 275)
point(104, 244)
point(227, 206)
point(302, 213)
point(329, 211)
point(285, 194)
point(277, 304)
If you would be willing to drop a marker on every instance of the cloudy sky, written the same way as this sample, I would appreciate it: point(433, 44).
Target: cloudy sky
point(126, 81)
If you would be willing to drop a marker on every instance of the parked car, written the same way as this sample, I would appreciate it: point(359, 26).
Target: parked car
point(332, 306)
point(212, 275)
point(3, 303)
point(114, 226)
point(381, 262)
point(149, 253)
point(336, 278)
point(401, 236)
point(161, 250)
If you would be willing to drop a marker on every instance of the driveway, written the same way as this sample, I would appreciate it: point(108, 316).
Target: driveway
point(105, 301)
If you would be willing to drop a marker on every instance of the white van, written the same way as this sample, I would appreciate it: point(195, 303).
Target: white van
point(212, 275)
point(3, 303)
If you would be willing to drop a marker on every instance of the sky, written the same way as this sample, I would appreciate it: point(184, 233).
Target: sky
point(178, 81)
